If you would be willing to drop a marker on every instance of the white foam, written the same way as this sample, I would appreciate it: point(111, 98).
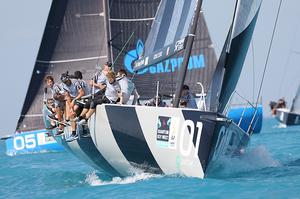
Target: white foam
point(255, 159)
point(280, 126)
point(259, 157)
point(93, 180)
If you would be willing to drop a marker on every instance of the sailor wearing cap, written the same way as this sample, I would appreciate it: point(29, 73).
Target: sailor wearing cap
point(73, 91)
point(98, 84)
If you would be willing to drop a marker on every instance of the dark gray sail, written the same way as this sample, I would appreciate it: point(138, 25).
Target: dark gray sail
point(296, 102)
point(168, 31)
point(234, 53)
point(74, 39)
point(129, 24)
point(202, 60)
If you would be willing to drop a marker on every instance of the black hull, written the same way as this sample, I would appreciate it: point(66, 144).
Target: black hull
point(229, 141)
point(288, 118)
point(129, 138)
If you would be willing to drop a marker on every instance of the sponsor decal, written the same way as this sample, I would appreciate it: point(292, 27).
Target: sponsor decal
point(167, 128)
point(179, 45)
point(196, 61)
point(174, 135)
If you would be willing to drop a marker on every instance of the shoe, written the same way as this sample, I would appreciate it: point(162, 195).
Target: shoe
point(86, 135)
point(59, 132)
point(51, 127)
point(72, 138)
point(65, 123)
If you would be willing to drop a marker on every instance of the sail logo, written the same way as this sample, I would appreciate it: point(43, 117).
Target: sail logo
point(196, 61)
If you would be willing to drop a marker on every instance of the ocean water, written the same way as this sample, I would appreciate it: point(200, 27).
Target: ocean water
point(269, 169)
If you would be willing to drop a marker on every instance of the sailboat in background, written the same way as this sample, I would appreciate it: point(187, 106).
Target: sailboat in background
point(284, 115)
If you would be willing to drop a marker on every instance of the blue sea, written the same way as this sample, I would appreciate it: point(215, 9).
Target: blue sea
point(269, 169)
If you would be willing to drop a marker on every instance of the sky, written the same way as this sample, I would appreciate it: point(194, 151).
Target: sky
point(22, 25)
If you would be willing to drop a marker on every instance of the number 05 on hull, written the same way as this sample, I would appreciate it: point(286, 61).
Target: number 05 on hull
point(164, 140)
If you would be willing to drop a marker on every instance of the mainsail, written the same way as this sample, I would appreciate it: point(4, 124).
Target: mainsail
point(161, 58)
point(80, 35)
point(296, 102)
point(233, 54)
point(74, 39)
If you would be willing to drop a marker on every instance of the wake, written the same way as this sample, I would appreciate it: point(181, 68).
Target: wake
point(256, 159)
point(93, 180)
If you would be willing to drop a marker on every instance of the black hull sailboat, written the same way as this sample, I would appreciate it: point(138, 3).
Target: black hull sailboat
point(118, 28)
point(164, 140)
point(286, 117)
point(82, 34)
point(179, 140)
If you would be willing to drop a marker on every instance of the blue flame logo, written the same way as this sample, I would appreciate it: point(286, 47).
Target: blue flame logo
point(169, 65)
point(133, 55)
point(140, 48)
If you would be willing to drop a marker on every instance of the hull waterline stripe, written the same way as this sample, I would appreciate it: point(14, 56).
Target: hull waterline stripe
point(130, 138)
point(107, 145)
point(89, 148)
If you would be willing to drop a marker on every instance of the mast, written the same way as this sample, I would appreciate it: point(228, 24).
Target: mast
point(107, 27)
point(187, 54)
point(296, 102)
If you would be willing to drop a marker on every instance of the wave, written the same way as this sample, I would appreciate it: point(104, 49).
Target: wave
point(93, 180)
point(280, 126)
point(255, 159)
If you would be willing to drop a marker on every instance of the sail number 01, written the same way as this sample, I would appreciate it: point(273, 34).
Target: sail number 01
point(189, 124)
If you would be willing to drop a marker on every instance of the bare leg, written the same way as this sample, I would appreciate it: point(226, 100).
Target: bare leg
point(90, 113)
point(59, 115)
point(84, 111)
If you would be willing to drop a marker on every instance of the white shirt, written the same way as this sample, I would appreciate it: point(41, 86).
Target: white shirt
point(127, 86)
point(99, 78)
point(112, 90)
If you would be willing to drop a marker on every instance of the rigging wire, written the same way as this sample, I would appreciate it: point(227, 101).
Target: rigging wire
point(265, 68)
point(130, 37)
point(268, 55)
point(253, 71)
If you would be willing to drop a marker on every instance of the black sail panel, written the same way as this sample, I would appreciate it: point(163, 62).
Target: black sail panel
point(74, 39)
point(168, 32)
point(130, 21)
